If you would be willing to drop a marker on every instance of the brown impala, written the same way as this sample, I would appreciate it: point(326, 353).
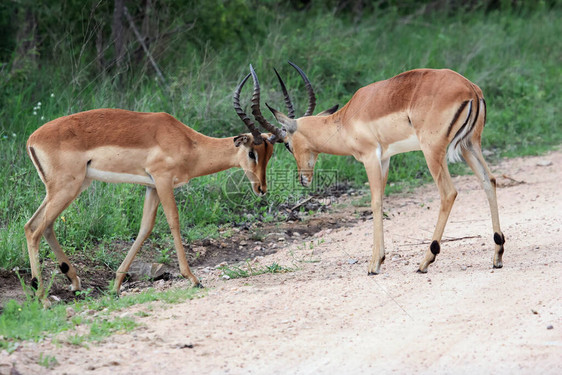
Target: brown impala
point(151, 149)
point(422, 109)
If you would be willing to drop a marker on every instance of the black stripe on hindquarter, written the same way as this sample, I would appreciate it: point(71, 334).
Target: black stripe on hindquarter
point(456, 116)
point(467, 123)
point(475, 117)
point(36, 162)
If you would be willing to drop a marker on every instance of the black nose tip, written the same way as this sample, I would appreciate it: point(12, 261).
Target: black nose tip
point(260, 189)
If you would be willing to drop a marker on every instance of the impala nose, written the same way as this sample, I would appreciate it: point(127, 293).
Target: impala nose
point(262, 192)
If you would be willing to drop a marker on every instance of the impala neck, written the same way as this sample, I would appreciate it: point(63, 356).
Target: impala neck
point(324, 134)
point(214, 155)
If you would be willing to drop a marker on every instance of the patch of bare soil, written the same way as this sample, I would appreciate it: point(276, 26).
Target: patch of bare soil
point(245, 241)
point(328, 316)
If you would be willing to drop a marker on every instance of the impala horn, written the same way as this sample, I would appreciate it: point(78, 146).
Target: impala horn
point(278, 134)
point(258, 139)
point(288, 102)
point(311, 96)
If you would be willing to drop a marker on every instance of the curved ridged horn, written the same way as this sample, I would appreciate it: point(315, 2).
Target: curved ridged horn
point(278, 134)
point(249, 123)
point(288, 102)
point(311, 96)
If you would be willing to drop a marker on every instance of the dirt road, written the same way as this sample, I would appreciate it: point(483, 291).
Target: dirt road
point(329, 317)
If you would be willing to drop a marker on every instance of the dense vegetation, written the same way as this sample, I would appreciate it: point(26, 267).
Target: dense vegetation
point(74, 55)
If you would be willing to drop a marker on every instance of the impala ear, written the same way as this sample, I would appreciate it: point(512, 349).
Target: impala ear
point(241, 140)
point(288, 123)
point(329, 111)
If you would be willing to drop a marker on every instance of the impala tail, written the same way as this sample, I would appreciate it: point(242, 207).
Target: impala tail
point(472, 126)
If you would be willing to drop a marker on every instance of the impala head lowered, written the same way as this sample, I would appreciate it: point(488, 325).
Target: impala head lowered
point(298, 144)
point(255, 148)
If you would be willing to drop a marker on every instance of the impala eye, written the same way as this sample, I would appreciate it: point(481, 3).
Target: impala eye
point(252, 155)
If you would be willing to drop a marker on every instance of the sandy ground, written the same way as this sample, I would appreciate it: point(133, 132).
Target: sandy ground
point(329, 317)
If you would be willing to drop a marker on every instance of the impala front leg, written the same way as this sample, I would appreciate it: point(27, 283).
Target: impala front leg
point(150, 209)
point(377, 172)
point(166, 194)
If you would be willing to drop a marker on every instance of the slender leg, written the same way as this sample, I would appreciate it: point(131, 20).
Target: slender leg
point(376, 178)
point(166, 195)
point(474, 158)
point(150, 208)
point(41, 223)
point(64, 263)
point(385, 164)
point(33, 232)
point(438, 168)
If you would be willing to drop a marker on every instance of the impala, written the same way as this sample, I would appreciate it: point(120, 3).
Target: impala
point(151, 149)
point(422, 109)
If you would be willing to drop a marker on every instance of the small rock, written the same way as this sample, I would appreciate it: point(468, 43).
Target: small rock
point(296, 234)
point(70, 312)
point(550, 326)
point(319, 234)
point(225, 277)
point(281, 239)
point(463, 268)
point(544, 163)
point(243, 243)
point(352, 261)
point(141, 271)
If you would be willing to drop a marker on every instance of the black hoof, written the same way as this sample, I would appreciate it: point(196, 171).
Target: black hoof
point(372, 273)
point(199, 286)
point(420, 271)
point(500, 266)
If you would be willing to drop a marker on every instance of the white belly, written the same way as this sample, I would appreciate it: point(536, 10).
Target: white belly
point(411, 143)
point(114, 177)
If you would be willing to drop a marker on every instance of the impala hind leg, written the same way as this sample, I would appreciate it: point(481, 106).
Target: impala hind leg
point(473, 157)
point(165, 191)
point(150, 208)
point(64, 263)
point(447, 192)
point(42, 223)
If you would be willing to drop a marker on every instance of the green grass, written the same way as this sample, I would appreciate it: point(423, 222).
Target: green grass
point(513, 56)
point(248, 270)
point(30, 321)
